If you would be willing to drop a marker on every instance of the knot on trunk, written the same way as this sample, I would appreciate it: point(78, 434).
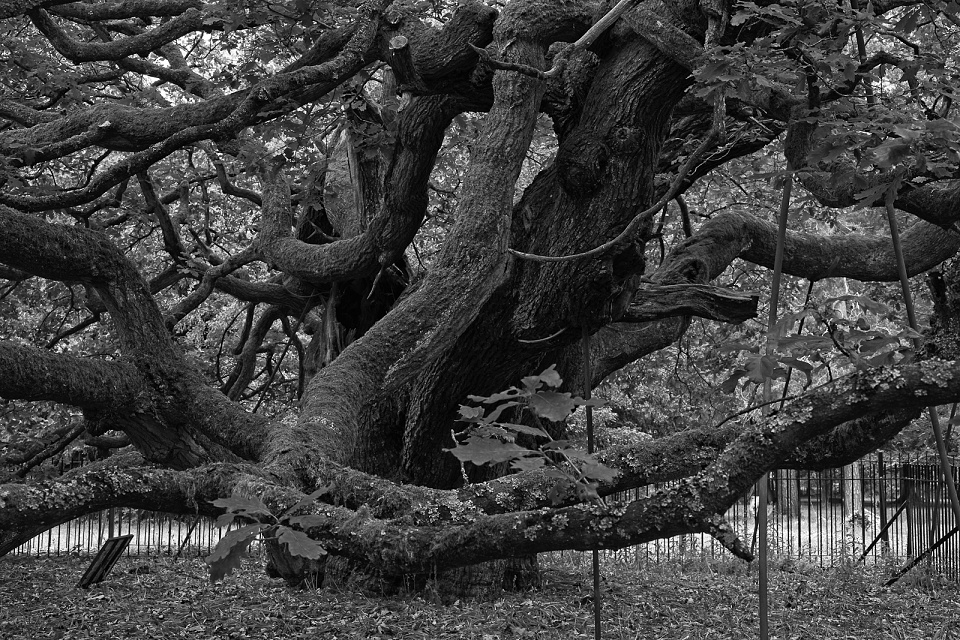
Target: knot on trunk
point(581, 163)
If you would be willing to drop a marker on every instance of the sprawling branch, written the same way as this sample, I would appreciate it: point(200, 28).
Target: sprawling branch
point(73, 253)
point(841, 415)
point(191, 20)
point(156, 133)
point(692, 505)
point(27, 509)
point(397, 547)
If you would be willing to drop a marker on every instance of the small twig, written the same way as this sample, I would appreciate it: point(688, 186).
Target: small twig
point(542, 340)
point(51, 450)
point(753, 408)
point(80, 326)
point(503, 65)
point(463, 468)
point(376, 282)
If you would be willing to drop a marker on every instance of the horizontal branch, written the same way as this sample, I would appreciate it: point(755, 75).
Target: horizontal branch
point(30, 373)
point(26, 507)
point(55, 251)
point(23, 114)
point(122, 10)
point(732, 235)
point(396, 549)
point(181, 76)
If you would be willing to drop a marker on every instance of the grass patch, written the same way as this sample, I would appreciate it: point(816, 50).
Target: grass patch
point(165, 598)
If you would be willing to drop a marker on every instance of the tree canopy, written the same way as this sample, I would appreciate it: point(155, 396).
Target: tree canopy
point(265, 251)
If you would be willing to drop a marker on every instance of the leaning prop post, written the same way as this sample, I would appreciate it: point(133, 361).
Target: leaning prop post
point(587, 384)
point(945, 466)
point(767, 394)
point(106, 558)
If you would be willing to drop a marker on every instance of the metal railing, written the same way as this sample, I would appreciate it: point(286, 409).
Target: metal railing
point(885, 509)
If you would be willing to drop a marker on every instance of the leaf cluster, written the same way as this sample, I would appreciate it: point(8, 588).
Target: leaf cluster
point(856, 341)
point(231, 548)
point(488, 439)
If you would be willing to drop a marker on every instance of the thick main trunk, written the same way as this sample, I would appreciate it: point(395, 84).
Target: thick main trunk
point(376, 374)
point(602, 178)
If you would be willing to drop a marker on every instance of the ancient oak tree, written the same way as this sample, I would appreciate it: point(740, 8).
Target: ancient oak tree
point(259, 249)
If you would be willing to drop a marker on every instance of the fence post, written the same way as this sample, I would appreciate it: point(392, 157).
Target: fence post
point(852, 505)
point(907, 483)
point(882, 495)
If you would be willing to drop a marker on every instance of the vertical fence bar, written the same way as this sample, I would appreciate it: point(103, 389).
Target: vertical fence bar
point(907, 490)
point(820, 494)
point(862, 508)
point(882, 473)
point(99, 529)
point(799, 514)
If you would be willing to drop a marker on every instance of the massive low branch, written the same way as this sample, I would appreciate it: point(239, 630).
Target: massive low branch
point(26, 507)
point(460, 535)
point(393, 546)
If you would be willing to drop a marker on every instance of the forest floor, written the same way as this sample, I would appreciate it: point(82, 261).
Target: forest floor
point(167, 598)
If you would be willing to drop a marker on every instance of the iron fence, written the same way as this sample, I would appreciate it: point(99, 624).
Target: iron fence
point(884, 510)
point(154, 533)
